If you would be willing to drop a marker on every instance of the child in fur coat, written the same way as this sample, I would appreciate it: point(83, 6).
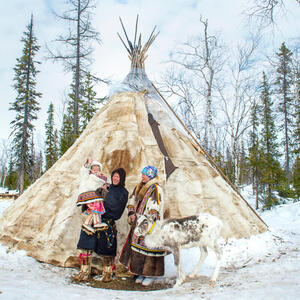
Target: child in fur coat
point(91, 179)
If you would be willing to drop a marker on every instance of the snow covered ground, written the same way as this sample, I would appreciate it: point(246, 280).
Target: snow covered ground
point(265, 267)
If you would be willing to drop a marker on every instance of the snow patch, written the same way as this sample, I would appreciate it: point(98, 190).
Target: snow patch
point(265, 266)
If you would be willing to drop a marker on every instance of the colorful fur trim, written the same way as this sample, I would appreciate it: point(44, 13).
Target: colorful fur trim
point(82, 256)
point(87, 197)
point(144, 250)
point(141, 188)
point(157, 194)
point(130, 208)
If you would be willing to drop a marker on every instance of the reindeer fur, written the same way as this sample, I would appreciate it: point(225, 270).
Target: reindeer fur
point(201, 231)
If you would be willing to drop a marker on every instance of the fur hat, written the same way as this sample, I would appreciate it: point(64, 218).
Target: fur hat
point(150, 171)
point(122, 174)
point(96, 163)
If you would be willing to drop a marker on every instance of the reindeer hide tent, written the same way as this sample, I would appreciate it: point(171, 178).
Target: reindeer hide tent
point(134, 129)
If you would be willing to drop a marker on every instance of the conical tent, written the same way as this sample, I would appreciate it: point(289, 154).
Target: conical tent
point(134, 129)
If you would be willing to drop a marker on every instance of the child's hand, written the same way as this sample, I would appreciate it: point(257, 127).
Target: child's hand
point(103, 187)
point(88, 162)
point(106, 185)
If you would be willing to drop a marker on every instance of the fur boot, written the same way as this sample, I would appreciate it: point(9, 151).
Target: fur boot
point(107, 269)
point(85, 269)
point(114, 268)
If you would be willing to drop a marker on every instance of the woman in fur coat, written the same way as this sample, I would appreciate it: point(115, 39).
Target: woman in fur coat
point(147, 199)
point(104, 243)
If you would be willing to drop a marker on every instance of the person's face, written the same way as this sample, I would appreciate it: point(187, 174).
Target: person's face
point(116, 179)
point(145, 178)
point(95, 169)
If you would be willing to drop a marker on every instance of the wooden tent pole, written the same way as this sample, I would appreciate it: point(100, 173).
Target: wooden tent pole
point(205, 153)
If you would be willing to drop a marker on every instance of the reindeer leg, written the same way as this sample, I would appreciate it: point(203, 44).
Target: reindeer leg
point(215, 275)
point(203, 255)
point(177, 262)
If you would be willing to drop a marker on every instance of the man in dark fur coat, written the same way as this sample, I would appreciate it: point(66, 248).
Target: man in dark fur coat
point(147, 199)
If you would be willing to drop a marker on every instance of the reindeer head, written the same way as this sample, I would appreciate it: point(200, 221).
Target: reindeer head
point(142, 226)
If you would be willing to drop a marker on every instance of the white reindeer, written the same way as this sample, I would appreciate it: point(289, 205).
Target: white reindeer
point(201, 231)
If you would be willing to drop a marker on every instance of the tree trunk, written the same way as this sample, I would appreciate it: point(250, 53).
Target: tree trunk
point(77, 75)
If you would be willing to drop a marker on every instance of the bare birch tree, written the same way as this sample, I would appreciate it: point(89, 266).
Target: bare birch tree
point(4, 151)
point(264, 11)
point(238, 100)
point(202, 59)
point(177, 84)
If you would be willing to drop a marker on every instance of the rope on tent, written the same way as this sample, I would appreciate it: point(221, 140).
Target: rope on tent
point(210, 159)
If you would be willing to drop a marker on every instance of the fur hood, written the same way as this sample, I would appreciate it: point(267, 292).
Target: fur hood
point(122, 174)
point(96, 163)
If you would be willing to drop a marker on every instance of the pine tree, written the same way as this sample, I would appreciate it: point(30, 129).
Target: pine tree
point(32, 157)
point(296, 133)
point(90, 102)
point(296, 137)
point(51, 150)
point(254, 155)
point(229, 165)
point(36, 165)
point(296, 177)
point(66, 133)
point(272, 176)
point(88, 105)
point(284, 82)
point(11, 181)
point(242, 164)
point(25, 104)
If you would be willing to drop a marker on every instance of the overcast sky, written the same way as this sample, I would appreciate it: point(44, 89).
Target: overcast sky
point(177, 20)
